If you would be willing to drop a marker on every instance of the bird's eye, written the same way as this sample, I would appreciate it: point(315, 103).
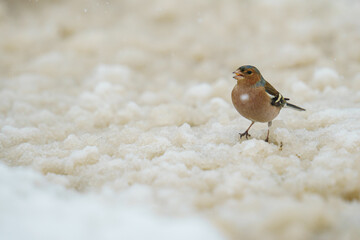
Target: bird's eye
point(249, 72)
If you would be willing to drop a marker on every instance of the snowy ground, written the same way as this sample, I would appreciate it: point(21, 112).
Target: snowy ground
point(116, 120)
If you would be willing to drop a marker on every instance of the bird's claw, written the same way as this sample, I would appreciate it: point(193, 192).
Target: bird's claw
point(246, 134)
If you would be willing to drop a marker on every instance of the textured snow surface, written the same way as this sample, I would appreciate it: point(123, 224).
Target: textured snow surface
point(116, 120)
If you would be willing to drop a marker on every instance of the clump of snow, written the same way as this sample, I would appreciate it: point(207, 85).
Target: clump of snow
point(118, 123)
point(326, 77)
point(201, 91)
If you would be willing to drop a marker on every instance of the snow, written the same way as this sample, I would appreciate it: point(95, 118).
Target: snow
point(46, 211)
point(244, 97)
point(118, 123)
point(326, 77)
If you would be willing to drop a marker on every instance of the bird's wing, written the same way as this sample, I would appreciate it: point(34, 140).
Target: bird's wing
point(271, 90)
point(276, 98)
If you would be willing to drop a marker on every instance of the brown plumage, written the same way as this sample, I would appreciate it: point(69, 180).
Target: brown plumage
point(256, 99)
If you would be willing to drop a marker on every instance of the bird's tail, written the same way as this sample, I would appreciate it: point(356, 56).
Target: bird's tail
point(280, 101)
point(289, 105)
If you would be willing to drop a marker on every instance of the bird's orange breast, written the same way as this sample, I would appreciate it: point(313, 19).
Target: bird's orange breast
point(253, 103)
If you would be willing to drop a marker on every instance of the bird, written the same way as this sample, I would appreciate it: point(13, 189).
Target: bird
point(256, 99)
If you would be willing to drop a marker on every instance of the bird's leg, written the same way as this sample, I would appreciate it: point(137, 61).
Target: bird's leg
point(246, 133)
point(267, 137)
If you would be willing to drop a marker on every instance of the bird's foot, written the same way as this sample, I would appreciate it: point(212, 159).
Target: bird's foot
point(267, 139)
point(246, 134)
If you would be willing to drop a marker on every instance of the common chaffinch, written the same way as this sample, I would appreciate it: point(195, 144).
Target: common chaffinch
point(255, 99)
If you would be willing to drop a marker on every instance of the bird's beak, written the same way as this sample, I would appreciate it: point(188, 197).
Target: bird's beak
point(238, 75)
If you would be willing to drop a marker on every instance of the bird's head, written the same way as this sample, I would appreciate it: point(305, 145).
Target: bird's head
point(247, 73)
